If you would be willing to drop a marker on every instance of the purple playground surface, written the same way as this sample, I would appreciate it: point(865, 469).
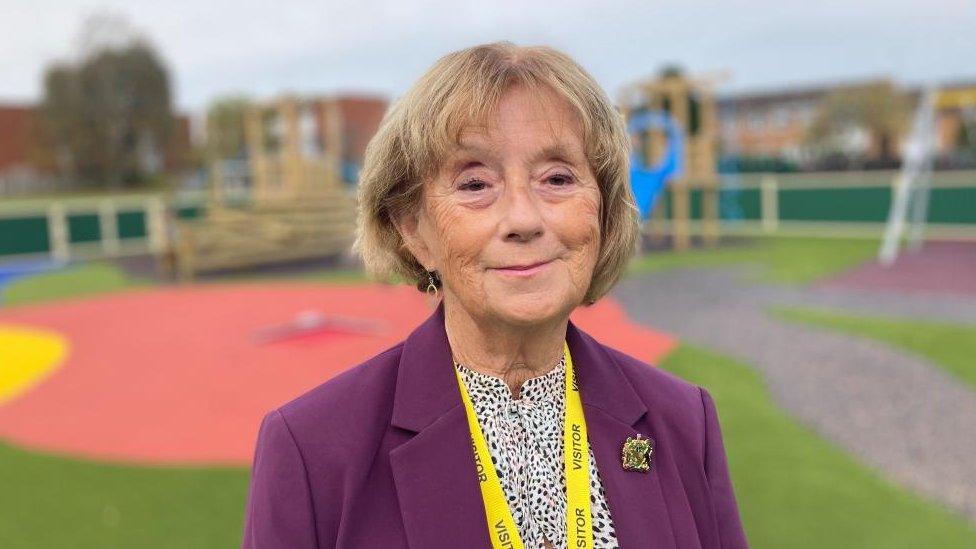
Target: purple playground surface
point(939, 266)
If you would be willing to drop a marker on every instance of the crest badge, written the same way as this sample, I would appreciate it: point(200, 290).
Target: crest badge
point(638, 453)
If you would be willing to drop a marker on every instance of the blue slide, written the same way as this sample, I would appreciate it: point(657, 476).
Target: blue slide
point(648, 182)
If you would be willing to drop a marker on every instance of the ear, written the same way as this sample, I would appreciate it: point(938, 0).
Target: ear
point(413, 236)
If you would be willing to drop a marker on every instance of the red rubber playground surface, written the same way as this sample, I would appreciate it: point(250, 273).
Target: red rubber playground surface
point(173, 376)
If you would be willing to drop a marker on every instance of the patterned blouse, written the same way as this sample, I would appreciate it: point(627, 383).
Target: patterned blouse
point(525, 440)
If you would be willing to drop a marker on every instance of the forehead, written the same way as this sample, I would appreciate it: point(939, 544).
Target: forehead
point(526, 118)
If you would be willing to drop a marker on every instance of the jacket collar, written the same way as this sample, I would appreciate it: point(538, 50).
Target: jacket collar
point(427, 388)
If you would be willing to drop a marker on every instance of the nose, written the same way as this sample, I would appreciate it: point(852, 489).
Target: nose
point(523, 220)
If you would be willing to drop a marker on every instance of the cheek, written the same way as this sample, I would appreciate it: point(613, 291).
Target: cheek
point(580, 233)
point(581, 226)
point(455, 238)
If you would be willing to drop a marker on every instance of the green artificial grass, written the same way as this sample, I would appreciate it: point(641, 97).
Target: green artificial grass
point(785, 260)
point(103, 277)
point(949, 346)
point(76, 281)
point(55, 502)
point(796, 490)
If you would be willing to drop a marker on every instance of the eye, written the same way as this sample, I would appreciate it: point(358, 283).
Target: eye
point(560, 179)
point(473, 184)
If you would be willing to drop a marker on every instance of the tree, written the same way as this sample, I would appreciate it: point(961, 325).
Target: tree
point(108, 115)
point(877, 111)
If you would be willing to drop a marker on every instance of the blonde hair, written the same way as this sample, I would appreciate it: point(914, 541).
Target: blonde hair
point(461, 89)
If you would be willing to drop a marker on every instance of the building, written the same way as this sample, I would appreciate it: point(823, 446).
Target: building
point(773, 124)
point(21, 164)
point(359, 119)
point(956, 119)
point(18, 136)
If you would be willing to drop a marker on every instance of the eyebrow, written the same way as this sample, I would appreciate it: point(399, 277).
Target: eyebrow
point(555, 151)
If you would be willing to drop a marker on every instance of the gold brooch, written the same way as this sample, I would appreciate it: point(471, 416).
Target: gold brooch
point(638, 453)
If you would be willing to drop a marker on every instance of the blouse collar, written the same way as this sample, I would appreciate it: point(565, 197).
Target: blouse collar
point(546, 387)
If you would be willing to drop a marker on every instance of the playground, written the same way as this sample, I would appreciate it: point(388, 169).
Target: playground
point(837, 342)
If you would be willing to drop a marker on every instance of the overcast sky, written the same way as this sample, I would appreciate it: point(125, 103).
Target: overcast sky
point(264, 48)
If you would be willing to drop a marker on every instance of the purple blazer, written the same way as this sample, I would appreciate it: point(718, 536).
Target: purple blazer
point(380, 456)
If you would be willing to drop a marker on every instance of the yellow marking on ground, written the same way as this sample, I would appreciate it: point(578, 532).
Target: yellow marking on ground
point(27, 356)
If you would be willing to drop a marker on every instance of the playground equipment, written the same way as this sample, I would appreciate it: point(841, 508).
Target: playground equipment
point(912, 185)
point(674, 119)
point(647, 183)
point(285, 202)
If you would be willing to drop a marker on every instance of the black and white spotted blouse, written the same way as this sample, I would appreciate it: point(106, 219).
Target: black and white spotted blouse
point(525, 440)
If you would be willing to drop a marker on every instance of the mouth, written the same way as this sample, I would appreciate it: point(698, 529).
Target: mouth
point(524, 270)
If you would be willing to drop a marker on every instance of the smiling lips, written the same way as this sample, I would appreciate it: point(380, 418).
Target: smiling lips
point(523, 270)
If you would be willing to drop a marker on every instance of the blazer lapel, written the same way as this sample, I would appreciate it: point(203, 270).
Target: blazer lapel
point(440, 500)
point(612, 408)
point(437, 488)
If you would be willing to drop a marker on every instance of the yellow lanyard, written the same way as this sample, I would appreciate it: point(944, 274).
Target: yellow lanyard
point(576, 464)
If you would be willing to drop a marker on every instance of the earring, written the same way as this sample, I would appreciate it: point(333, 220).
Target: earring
point(431, 285)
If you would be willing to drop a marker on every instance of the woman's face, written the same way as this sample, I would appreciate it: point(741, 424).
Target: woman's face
point(511, 221)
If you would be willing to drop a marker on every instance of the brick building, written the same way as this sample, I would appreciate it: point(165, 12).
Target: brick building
point(19, 135)
point(956, 118)
point(360, 117)
point(774, 123)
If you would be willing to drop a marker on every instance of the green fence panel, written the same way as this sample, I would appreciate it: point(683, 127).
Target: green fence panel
point(847, 204)
point(747, 200)
point(84, 228)
point(694, 199)
point(23, 235)
point(953, 205)
point(189, 212)
point(132, 224)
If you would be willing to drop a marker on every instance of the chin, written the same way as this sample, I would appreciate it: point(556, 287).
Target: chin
point(530, 310)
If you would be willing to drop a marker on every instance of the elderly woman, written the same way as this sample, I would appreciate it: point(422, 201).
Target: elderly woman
point(499, 184)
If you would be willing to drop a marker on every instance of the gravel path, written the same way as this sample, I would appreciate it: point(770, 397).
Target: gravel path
point(892, 410)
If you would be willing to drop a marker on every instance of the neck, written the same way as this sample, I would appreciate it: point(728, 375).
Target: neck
point(513, 353)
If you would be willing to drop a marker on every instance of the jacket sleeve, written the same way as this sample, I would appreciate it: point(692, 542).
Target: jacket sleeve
point(730, 529)
point(279, 503)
